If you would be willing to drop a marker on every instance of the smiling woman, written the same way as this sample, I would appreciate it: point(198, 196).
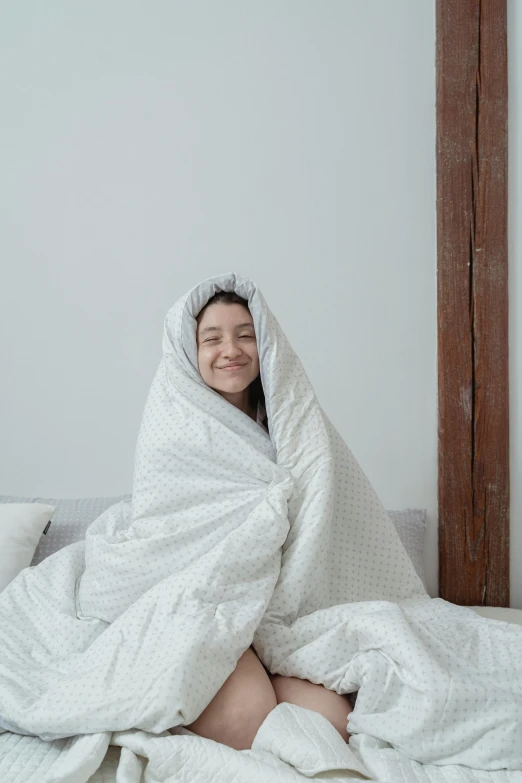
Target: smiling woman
point(227, 353)
point(228, 361)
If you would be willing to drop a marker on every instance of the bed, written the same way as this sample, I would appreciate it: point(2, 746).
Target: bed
point(293, 744)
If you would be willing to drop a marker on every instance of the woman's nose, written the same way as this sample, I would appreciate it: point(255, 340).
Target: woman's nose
point(231, 348)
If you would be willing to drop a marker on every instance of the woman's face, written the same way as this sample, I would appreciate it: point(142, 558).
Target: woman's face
point(226, 337)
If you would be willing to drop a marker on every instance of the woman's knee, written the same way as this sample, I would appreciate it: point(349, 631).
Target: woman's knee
point(330, 704)
point(247, 720)
point(236, 713)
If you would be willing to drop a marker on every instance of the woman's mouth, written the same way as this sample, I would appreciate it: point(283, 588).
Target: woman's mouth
point(231, 367)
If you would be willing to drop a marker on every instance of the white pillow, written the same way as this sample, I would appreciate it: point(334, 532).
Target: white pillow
point(74, 515)
point(21, 525)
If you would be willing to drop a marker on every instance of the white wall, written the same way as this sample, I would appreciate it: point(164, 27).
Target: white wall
point(515, 291)
point(149, 146)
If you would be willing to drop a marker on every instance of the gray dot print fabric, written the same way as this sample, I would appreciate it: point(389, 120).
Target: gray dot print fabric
point(235, 536)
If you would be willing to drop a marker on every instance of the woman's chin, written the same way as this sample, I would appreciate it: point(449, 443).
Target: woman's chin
point(232, 386)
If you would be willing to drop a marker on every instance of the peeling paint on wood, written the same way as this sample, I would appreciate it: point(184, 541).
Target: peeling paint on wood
point(472, 290)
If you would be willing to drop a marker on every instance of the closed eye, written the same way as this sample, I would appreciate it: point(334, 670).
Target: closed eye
point(242, 337)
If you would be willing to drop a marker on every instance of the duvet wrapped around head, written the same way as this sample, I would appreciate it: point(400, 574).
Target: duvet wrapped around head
point(204, 466)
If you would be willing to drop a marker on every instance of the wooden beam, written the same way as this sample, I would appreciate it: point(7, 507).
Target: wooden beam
point(472, 291)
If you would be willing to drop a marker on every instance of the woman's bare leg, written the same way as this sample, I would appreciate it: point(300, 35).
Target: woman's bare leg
point(304, 693)
point(238, 709)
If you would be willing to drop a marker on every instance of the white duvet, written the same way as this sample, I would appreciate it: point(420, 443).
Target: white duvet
point(236, 537)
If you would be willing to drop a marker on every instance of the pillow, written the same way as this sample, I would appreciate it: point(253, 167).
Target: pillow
point(73, 517)
point(70, 520)
point(21, 527)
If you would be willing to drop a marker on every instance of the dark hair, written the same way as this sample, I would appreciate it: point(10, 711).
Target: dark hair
point(256, 394)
